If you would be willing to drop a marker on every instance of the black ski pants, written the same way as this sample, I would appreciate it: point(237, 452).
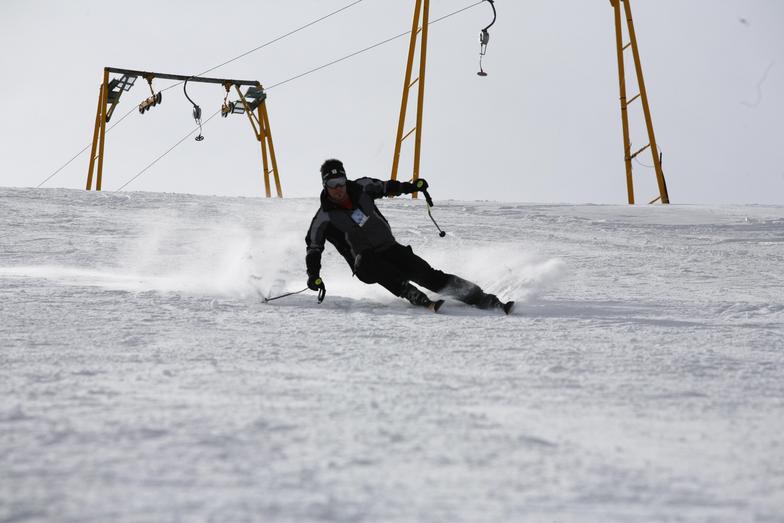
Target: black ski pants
point(394, 267)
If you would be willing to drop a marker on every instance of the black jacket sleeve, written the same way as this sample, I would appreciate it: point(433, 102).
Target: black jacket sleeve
point(314, 241)
point(402, 187)
point(378, 188)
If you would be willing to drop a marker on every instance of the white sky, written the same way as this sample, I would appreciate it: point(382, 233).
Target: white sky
point(544, 126)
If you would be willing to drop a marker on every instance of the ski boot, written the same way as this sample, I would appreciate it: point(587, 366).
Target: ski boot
point(419, 298)
point(491, 301)
point(472, 294)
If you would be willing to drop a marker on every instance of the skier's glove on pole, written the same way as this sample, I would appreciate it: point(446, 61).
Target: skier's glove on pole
point(315, 283)
point(409, 187)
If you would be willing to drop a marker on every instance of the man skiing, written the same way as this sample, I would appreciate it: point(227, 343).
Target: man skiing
point(349, 219)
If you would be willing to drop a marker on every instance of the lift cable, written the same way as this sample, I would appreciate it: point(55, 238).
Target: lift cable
point(369, 47)
point(351, 55)
point(213, 115)
point(66, 164)
point(246, 53)
point(297, 77)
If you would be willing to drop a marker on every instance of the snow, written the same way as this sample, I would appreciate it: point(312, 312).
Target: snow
point(142, 378)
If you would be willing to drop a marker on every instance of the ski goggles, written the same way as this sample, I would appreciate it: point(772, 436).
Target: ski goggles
point(333, 183)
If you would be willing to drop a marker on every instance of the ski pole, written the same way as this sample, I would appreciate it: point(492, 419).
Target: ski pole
point(321, 294)
point(284, 295)
point(429, 203)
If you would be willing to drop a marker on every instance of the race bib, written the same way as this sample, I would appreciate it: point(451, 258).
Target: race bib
point(359, 217)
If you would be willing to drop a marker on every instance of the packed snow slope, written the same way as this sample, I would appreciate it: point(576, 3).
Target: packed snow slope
point(641, 377)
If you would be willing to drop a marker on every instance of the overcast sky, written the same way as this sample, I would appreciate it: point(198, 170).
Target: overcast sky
point(544, 126)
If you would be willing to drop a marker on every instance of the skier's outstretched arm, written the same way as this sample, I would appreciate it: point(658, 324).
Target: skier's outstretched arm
point(314, 240)
point(379, 188)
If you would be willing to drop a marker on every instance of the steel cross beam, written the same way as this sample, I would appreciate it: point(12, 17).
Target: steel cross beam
point(166, 76)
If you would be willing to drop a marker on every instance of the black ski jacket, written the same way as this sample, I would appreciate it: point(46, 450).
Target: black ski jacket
point(352, 231)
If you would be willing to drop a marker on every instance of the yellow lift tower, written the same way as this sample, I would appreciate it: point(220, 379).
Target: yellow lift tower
point(628, 156)
point(252, 103)
point(420, 26)
point(421, 12)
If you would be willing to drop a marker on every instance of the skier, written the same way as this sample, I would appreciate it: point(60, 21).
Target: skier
point(349, 219)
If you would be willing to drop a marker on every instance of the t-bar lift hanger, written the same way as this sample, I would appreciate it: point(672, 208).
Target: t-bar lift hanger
point(484, 39)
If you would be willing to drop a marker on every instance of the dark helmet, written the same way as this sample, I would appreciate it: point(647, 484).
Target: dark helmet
point(332, 168)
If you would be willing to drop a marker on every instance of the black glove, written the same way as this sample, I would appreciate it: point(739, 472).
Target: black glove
point(315, 283)
point(421, 184)
point(409, 187)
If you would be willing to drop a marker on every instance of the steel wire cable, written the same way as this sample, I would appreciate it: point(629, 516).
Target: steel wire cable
point(66, 164)
point(355, 53)
point(346, 57)
point(246, 53)
point(170, 149)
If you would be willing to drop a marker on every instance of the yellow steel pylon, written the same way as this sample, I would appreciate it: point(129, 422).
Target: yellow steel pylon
point(643, 96)
point(421, 11)
point(99, 135)
point(261, 128)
